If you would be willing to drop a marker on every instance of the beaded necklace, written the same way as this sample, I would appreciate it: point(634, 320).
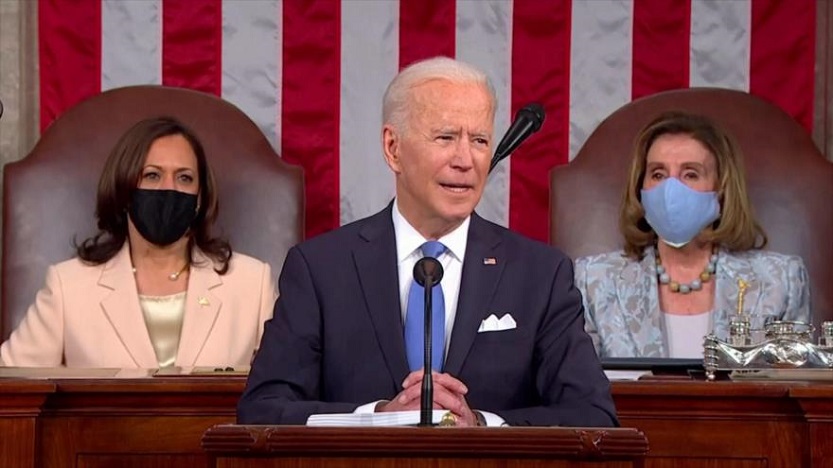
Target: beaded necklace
point(685, 288)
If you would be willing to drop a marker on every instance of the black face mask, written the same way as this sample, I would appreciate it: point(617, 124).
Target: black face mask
point(162, 216)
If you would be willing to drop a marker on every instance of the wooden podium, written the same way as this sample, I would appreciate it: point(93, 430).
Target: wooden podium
point(160, 422)
point(238, 446)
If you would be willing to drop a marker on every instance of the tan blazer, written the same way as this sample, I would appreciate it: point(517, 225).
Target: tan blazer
point(89, 316)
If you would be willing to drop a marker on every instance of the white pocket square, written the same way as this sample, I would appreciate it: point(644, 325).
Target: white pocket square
point(493, 324)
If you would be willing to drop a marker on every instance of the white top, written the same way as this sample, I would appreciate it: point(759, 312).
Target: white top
point(163, 317)
point(685, 334)
point(408, 242)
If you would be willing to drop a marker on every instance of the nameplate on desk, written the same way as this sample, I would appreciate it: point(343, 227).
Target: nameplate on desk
point(785, 374)
point(202, 371)
point(393, 418)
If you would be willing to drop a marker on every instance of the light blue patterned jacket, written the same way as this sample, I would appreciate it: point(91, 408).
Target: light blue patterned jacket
point(621, 297)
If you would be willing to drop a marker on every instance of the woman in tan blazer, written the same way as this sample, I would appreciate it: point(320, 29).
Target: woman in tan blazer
point(153, 288)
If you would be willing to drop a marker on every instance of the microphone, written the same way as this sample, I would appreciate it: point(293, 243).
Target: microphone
point(527, 121)
point(427, 273)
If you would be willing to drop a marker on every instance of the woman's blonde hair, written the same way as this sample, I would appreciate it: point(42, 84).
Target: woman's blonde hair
point(736, 229)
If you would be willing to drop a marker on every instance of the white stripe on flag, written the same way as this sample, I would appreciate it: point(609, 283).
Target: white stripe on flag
point(600, 65)
point(251, 57)
point(369, 60)
point(720, 38)
point(484, 39)
point(131, 52)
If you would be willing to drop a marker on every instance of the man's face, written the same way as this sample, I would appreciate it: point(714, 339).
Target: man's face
point(441, 156)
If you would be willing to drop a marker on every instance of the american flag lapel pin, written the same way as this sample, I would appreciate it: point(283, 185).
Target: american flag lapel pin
point(489, 261)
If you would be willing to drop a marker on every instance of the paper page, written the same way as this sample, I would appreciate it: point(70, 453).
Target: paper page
point(202, 371)
point(625, 374)
point(393, 418)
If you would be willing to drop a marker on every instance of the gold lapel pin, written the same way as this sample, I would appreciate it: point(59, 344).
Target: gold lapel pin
point(742, 286)
point(203, 301)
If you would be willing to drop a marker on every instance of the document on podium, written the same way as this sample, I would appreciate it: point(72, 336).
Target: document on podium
point(202, 371)
point(393, 418)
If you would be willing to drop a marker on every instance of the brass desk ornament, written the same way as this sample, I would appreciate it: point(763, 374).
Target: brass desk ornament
point(742, 286)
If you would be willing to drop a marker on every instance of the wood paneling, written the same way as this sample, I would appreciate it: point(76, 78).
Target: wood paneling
point(359, 447)
point(20, 405)
point(726, 424)
point(160, 422)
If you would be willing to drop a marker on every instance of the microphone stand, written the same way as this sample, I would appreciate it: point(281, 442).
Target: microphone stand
point(426, 404)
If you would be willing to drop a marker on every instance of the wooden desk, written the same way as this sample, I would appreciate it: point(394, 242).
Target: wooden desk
point(719, 424)
point(159, 422)
point(99, 423)
point(817, 405)
point(20, 406)
point(306, 447)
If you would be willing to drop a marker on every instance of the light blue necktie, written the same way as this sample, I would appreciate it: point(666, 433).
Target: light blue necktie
point(415, 318)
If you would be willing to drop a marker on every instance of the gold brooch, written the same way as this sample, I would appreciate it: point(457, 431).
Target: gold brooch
point(742, 286)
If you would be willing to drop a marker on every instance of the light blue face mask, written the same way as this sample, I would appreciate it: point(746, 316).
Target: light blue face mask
point(677, 213)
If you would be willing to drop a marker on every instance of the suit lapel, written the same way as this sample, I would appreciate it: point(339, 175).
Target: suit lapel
point(121, 307)
point(480, 277)
point(201, 310)
point(375, 261)
point(638, 297)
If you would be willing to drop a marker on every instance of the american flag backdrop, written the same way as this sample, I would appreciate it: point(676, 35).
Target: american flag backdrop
point(311, 73)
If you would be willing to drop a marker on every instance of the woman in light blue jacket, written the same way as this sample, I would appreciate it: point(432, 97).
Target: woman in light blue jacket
point(692, 250)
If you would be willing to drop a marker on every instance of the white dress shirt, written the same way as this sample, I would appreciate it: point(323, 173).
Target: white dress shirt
point(408, 243)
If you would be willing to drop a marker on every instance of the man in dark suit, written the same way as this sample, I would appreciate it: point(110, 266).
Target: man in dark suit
point(512, 346)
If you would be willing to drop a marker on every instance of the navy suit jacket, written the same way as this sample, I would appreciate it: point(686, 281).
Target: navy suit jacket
point(336, 338)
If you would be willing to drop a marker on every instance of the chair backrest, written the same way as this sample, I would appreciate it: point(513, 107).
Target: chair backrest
point(790, 182)
point(49, 196)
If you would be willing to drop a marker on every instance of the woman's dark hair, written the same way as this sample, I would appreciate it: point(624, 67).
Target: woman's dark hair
point(119, 179)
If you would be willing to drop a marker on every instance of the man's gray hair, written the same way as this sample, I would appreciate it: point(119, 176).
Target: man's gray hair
point(396, 100)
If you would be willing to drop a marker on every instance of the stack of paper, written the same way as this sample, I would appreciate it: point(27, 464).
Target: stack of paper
point(625, 374)
point(393, 418)
point(206, 371)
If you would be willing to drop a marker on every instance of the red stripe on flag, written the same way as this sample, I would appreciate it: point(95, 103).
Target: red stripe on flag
point(192, 44)
point(782, 55)
point(310, 102)
point(69, 54)
point(661, 43)
point(426, 29)
point(540, 73)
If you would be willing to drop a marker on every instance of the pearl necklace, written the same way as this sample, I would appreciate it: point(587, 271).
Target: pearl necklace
point(173, 276)
point(685, 288)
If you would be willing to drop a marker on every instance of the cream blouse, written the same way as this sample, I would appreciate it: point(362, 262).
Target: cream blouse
point(163, 317)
